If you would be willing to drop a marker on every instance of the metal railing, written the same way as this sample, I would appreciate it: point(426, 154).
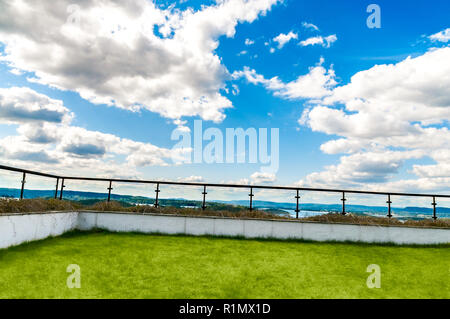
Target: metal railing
point(205, 185)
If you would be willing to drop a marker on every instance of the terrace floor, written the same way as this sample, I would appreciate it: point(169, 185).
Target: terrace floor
point(128, 265)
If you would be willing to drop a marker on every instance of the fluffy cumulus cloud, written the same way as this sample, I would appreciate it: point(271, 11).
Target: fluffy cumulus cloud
point(326, 42)
point(384, 116)
point(442, 36)
point(262, 178)
point(310, 26)
point(282, 38)
point(130, 54)
point(45, 136)
point(19, 105)
point(192, 179)
point(361, 168)
point(317, 83)
point(249, 42)
point(256, 178)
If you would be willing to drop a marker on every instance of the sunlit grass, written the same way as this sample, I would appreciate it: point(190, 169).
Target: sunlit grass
point(124, 265)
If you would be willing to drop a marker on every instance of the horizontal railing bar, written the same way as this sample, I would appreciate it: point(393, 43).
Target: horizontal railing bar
point(330, 190)
point(253, 186)
point(20, 170)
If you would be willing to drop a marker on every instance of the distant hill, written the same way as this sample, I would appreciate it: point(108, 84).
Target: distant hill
point(88, 198)
point(358, 209)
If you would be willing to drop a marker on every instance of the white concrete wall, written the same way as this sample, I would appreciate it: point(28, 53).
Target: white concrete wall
point(16, 229)
point(262, 228)
point(132, 222)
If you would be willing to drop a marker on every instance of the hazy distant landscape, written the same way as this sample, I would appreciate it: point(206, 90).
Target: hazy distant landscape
point(307, 209)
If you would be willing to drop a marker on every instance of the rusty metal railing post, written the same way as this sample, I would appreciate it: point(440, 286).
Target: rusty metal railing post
point(434, 207)
point(62, 188)
point(157, 195)
point(251, 198)
point(23, 185)
point(109, 190)
point(56, 188)
point(343, 203)
point(204, 197)
point(297, 210)
point(389, 202)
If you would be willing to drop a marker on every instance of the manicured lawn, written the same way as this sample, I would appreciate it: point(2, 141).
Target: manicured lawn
point(155, 266)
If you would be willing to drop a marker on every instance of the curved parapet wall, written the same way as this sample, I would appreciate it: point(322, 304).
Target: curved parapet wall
point(251, 228)
point(16, 229)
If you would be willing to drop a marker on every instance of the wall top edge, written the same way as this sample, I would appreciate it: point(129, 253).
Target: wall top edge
point(214, 217)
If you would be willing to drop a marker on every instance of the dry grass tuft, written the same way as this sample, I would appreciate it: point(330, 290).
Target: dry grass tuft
point(372, 220)
point(442, 222)
point(107, 206)
point(244, 213)
point(9, 205)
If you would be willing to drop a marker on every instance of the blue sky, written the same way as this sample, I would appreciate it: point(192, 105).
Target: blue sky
point(406, 30)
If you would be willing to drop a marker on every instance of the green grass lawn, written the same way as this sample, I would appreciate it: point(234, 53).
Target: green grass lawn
point(121, 265)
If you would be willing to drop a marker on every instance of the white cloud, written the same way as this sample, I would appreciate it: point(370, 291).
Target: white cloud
point(15, 71)
point(431, 171)
point(282, 38)
point(249, 42)
point(192, 179)
point(317, 83)
point(390, 113)
point(410, 91)
point(438, 184)
point(319, 40)
point(242, 181)
point(262, 178)
point(255, 179)
point(23, 105)
point(343, 145)
point(310, 26)
point(235, 89)
point(46, 137)
point(363, 168)
point(130, 54)
point(442, 36)
point(384, 116)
